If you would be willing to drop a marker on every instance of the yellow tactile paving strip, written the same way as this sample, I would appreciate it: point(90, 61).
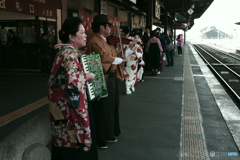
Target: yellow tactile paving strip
point(193, 142)
point(22, 111)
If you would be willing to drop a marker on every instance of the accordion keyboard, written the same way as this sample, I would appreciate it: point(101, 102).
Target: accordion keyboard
point(86, 69)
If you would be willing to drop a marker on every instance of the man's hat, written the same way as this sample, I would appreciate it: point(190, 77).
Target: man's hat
point(100, 19)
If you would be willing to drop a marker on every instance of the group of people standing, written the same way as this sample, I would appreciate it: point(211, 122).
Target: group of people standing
point(159, 47)
point(78, 125)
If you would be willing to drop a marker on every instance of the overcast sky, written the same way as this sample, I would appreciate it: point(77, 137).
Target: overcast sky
point(222, 13)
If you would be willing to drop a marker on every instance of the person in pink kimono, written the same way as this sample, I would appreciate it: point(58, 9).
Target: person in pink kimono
point(179, 44)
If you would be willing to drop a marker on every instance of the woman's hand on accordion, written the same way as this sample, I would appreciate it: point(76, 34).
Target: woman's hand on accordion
point(90, 77)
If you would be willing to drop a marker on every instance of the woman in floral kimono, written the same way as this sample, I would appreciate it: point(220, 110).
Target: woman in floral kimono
point(130, 72)
point(70, 112)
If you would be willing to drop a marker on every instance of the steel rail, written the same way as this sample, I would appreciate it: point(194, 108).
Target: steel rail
point(217, 72)
point(230, 55)
point(218, 61)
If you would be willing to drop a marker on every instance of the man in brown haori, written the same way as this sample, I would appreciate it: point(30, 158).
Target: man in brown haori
point(106, 110)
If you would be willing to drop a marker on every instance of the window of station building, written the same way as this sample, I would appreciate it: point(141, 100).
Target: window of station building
point(26, 32)
point(4, 27)
point(42, 27)
point(49, 28)
point(51, 33)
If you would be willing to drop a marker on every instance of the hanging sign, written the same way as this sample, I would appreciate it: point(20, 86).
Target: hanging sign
point(134, 1)
point(157, 10)
point(47, 12)
point(5, 5)
point(31, 9)
point(190, 11)
point(18, 6)
point(34, 7)
point(104, 8)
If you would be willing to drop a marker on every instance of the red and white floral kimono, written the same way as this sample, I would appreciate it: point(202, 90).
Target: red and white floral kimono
point(130, 72)
point(68, 106)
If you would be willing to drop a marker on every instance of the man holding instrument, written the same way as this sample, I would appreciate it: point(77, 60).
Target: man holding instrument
point(106, 110)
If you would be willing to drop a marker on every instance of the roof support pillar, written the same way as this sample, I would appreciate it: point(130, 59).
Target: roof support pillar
point(117, 12)
point(64, 10)
point(150, 13)
point(184, 36)
point(37, 30)
point(97, 6)
point(174, 39)
point(165, 23)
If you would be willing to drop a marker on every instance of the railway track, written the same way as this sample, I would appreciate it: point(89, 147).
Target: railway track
point(227, 54)
point(224, 65)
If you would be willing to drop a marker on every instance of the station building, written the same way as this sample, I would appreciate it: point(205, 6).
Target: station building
point(30, 18)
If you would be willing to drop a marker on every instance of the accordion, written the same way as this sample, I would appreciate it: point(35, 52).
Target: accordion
point(98, 88)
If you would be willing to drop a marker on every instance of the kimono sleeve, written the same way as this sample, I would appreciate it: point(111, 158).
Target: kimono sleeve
point(147, 46)
point(76, 78)
point(138, 51)
point(159, 45)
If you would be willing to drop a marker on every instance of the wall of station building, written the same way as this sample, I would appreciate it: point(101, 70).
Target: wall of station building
point(126, 17)
point(74, 4)
point(35, 25)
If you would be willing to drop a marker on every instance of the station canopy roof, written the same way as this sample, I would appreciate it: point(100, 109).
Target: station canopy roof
point(179, 11)
point(238, 23)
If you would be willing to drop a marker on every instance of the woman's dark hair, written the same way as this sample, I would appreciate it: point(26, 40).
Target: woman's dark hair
point(148, 27)
point(126, 30)
point(70, 26)
point(152, 33)
point(10, 31)
point(156, 32)
point(135, 32)
point(44, 34)
point(96, 27)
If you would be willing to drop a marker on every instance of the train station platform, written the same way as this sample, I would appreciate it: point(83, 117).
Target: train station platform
point(183, 113)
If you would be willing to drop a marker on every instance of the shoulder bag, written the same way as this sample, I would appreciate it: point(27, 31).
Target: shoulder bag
point(170, 46)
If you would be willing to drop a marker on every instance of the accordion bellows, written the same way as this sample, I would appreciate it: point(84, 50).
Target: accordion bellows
point(98, 88)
